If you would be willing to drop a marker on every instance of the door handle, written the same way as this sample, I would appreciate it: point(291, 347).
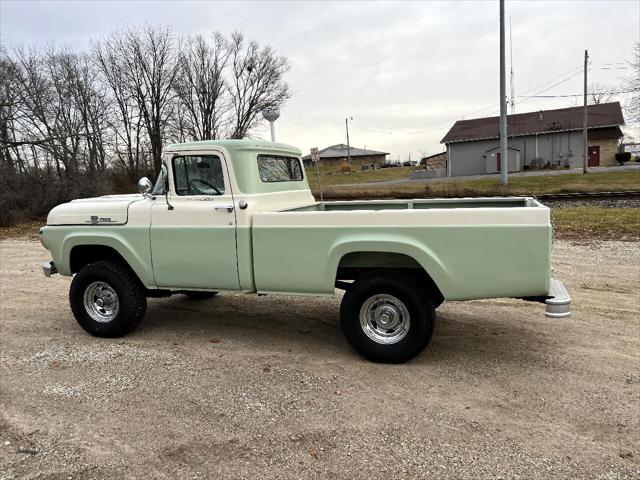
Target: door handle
point(229, 208)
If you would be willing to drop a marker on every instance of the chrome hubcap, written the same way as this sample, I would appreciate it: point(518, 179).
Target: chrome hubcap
point(384, 319)
point(101, 302)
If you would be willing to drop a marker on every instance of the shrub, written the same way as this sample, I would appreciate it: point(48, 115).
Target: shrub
point(623, 157)
point(345, 167)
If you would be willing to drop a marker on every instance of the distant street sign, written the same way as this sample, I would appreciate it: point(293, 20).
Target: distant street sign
point(315, 155)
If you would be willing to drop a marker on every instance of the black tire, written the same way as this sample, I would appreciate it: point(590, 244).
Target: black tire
point(415, 298)
point(197, 295)
point(132, 302)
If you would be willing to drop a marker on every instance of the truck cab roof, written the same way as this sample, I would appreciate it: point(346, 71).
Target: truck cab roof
point(243, 155)
point(233, 146)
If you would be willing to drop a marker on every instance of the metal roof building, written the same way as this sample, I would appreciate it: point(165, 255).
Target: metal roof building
point(546, 138)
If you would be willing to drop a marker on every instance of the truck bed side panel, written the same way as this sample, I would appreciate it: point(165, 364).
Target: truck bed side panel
point(470, 254)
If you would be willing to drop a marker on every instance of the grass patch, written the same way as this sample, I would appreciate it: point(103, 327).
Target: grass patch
point(597, 222)
point(522, 185)
point(26, 229)
point(329, 176)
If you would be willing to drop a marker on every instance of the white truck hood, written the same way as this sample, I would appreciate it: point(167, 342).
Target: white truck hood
point(106, 210)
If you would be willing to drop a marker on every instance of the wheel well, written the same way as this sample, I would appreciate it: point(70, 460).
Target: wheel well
point(354, 264)
point(82, 255)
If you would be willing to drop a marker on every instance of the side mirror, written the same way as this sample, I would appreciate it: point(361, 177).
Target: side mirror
point(144, 185)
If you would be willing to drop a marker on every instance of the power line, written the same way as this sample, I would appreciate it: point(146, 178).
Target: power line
point(554, 85)
point(544, 87)
point(619, 92)
point(554, 79)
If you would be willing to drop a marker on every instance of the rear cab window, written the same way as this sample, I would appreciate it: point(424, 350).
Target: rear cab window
point(198, 175)
point(277, 168)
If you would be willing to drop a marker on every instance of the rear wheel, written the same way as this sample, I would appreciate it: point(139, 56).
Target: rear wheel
point(387, 316)
point(107, 299)
point(197, 295)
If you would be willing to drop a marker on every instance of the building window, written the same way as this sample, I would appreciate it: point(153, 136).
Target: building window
point(274, 168)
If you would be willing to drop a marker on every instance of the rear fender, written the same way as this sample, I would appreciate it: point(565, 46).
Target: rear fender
point(422, 254)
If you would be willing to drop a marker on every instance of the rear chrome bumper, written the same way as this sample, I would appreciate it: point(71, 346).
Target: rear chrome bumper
point(48, 268)
point(559, 302)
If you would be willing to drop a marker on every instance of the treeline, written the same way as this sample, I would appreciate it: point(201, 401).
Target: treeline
point(77, 124)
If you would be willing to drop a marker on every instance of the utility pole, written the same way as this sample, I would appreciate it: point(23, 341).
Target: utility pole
point(346, 124)
point(585, 163)
point(504, 160)
point(511, 86)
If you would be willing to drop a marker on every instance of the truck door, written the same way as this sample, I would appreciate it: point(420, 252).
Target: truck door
point(193, 235)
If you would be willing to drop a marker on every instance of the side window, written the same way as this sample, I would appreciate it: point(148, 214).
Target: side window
point(274, 168)
point(198, 175)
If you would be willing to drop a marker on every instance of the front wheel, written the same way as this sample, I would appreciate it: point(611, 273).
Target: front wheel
point(107, 299)
point(387, 316)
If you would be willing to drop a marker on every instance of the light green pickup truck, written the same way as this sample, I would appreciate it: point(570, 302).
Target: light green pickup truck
point(238, 215)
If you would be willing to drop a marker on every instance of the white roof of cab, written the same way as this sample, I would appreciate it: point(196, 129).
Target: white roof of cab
point(235, 145)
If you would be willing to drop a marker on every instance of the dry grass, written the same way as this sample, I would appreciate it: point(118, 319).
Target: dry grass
point(570, 223)
point(598, 222)
point(329, 176)
point(27, 229)
point(530, 185)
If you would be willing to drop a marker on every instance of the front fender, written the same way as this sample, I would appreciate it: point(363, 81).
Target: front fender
point(389, 243)
point(132, 243)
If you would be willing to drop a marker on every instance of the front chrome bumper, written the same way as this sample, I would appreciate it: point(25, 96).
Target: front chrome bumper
point(559, 302)
point(48, 268)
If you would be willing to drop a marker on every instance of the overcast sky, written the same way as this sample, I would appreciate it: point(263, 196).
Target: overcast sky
point(405, 71)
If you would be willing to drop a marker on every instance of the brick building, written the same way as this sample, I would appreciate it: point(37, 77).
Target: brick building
point(335, 155)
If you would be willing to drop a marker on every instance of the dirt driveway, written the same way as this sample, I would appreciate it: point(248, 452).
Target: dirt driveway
point(248, 387)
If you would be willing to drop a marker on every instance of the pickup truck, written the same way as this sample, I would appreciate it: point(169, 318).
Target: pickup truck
point(238, 215)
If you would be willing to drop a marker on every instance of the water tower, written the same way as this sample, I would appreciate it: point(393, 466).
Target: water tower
point(271, 115)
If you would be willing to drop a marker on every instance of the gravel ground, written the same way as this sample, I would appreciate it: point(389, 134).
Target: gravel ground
point(594, 202)
point(248, 387)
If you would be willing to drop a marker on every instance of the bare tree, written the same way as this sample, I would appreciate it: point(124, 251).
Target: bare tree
point(10, 92)
point(92, 104)
point(147, 61)
point(125, 120)
point(257, 83)
point(600, 93)
point(70, 120)
point(50, 130)
point(632, 85)
point(201, 88)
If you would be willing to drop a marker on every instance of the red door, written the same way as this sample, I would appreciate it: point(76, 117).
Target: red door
point(499, 164)
point(594, 156)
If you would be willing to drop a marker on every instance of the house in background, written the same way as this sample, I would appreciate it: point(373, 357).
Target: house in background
point(335, 155)
point(547, 138)
point(437, 161)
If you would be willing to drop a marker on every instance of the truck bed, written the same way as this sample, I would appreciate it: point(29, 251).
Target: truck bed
point(471, 247)
point(489, 202)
